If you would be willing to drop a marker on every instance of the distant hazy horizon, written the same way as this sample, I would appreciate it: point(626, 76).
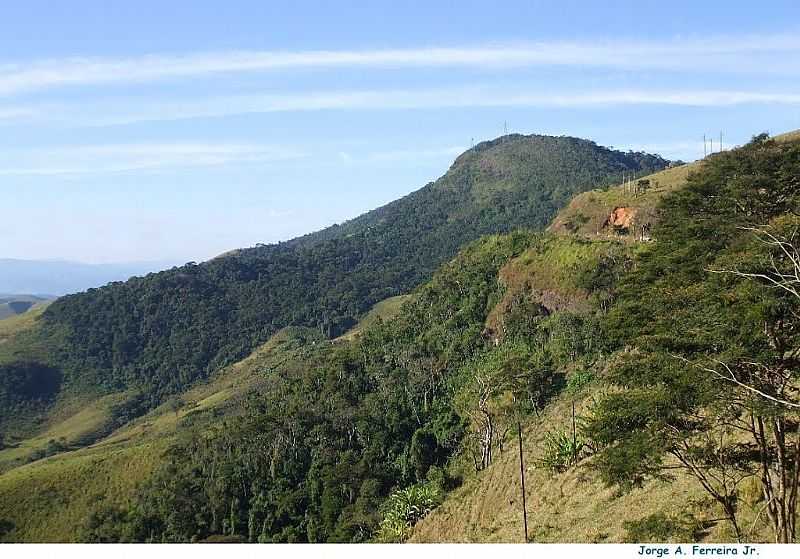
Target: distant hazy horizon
point(54, 278)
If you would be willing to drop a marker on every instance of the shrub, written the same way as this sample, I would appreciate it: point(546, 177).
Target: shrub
point(405, 508)
point(578, 380)
point(561, 451)
point(659, 527)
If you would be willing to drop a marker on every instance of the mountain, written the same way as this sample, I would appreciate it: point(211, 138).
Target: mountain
point(407, 426)
point(56, 278)
point(160, 333)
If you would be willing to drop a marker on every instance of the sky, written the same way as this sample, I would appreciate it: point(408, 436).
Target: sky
point(175, 131)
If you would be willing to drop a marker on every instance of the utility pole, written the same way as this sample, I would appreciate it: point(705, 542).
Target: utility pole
point(712, 145)
point(720, 140)
point(705, 153)
point(522, 477)
point(574, 435)
point(505, 127)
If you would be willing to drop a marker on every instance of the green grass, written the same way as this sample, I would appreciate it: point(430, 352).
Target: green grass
point(86, 424)
point(384, 310)
point(50, 500)
point(10, 305)
point(12, 326)
point(587, 213)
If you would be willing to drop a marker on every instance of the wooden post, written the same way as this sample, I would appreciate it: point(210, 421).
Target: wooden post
point(522, 477)
point(574, 435)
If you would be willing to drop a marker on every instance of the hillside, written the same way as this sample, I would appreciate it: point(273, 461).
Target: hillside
point(617, 488)
point(405, 428)
point(623, 211)
point(157, 335)
point(13, 305)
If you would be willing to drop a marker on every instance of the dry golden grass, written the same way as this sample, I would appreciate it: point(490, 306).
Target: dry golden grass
point(571, 507)
point(793, 136)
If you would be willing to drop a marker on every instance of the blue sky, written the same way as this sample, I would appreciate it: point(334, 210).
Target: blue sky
point(155, 130)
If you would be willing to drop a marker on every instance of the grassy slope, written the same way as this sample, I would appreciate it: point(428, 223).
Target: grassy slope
point(50, 499)
point(13, 305)
point(573, 506)
point(19, 323)
point(87, 422)
point(587, 212)
point(384, 310)
point(547, 274)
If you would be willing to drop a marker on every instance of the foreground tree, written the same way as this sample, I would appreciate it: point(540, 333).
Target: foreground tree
point(706, 331)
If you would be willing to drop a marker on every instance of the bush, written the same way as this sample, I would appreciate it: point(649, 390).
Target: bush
point(659, 527)
point(561, 451)
point(405, 508)
point(424, 450)
point(578, 380)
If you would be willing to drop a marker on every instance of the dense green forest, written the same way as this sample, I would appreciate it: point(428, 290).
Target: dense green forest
point(314, 456)
point(160, 333)
point(695, 334)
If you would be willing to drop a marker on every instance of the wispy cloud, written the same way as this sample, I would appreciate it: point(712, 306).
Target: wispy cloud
point(18, 113)
point(752, 53)
point(121, 158)
point(453, 97)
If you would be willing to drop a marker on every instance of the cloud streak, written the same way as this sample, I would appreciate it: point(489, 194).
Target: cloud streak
point(753, 53)
point(122, 158)
point(419, 99)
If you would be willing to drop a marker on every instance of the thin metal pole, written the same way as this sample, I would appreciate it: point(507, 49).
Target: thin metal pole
point(522, 477)
point(574, 435)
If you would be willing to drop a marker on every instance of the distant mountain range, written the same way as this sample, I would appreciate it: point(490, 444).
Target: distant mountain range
point(53, 278)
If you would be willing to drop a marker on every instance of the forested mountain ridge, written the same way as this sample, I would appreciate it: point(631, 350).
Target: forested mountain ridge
point(408, 428)
point(160, 333)
point(688, 428)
